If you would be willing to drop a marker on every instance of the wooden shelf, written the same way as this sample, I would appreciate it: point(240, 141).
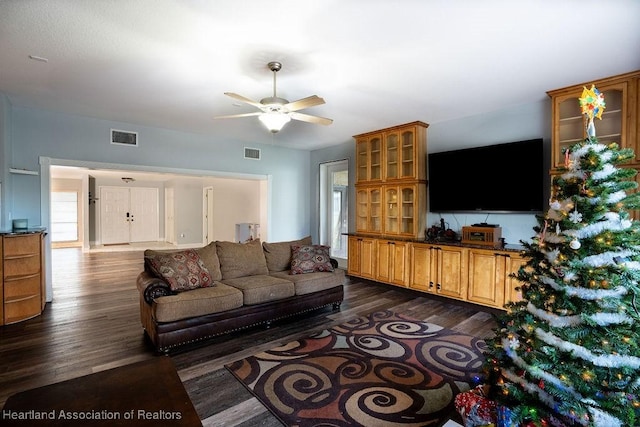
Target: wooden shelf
point(23, 171)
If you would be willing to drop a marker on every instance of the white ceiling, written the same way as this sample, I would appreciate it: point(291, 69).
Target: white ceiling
point(377, 63)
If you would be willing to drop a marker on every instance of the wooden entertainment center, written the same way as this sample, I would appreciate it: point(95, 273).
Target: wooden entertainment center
point(391, 213)
point(388, 245)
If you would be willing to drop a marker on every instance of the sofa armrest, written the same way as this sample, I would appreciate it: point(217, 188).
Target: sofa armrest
point(152, 287)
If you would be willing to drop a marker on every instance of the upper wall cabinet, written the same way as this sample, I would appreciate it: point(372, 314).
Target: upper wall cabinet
point(391, 154)
point(619, 121)
point(391, 180)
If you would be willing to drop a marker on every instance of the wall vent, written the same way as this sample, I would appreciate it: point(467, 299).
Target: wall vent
point(123, 137)
point(252, 153)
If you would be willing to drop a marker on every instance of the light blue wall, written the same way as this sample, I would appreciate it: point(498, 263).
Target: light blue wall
point(518, 123)
point(38, 133)
point(294, 173)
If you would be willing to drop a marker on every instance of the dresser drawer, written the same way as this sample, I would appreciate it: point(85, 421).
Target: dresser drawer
point(21, 309)
point(22, 287)
point(21, 266)
point(21, 245)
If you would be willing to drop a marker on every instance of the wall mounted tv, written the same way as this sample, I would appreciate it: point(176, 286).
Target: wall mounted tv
point(501, 178)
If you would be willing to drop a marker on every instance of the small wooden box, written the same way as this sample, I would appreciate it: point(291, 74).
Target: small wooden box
point(485, 236)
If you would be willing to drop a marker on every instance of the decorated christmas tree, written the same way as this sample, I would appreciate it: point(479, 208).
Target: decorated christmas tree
point(568, 353)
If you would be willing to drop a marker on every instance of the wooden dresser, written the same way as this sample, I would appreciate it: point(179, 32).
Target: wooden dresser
point(22, 272)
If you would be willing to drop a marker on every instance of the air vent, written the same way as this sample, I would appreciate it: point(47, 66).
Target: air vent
point(123, 137)
point(252, 153)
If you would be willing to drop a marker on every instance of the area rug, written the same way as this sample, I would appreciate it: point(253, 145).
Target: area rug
point(385, 369)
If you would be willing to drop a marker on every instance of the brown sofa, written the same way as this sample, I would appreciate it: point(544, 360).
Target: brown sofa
point(231, 286)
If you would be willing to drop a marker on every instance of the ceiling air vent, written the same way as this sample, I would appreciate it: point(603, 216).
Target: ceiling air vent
point(123, 137)
point(252, 153)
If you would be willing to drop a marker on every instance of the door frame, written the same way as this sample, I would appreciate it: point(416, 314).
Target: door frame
point(326, 202)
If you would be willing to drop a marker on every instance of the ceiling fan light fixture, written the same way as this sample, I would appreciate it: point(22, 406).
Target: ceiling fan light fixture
point(274, 121)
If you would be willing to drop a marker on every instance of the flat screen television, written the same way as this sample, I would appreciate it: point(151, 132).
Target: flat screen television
point(501, 178)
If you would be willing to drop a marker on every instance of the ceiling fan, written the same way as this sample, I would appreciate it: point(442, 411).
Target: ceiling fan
point(277, 112)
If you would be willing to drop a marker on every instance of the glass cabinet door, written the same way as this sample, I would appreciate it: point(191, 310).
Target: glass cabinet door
point(391, 211)
point(408, 154)
point(392, 156)
point(375, 218)
point(362, 160)
point(368, 208)
point(375, 147)
point(408, 213)
point(362, 209)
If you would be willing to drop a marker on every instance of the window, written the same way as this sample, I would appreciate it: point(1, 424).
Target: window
point(64, 216)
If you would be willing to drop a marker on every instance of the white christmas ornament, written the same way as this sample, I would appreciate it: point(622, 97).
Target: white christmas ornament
point(575, 244)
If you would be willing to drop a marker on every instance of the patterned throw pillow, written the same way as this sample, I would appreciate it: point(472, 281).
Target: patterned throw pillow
point(182, 270)
point(310, 258)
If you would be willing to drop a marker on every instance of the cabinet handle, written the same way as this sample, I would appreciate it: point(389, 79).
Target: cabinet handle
point(430, 285)
point(438, 287)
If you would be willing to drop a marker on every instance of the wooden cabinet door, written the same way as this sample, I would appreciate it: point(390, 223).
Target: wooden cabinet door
point(403, 205)
point(368, 210)
point(451, 271)
point(392, 262)
point(361, 261)
point(384, 265)
point(405, 152)
point(487, 276)
point(367, 258)
point(513, 264)
point(369, 159)
point(353, 262)
point(422, 267)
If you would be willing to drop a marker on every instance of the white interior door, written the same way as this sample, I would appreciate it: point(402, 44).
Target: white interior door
point(143, 214)
point(114, 206)
point(128, 215)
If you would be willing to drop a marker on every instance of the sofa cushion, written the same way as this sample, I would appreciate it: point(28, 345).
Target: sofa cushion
point(198, 302)
point(278, 254)
point(182, 270)
point(310, 258)
point(262, 288)
point(241, 259)
point(208, 255)
point(313, 282)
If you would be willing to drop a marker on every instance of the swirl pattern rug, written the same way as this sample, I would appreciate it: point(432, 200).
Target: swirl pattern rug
point(385, 370)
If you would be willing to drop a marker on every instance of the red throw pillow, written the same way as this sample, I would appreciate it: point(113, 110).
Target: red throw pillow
point(182, 270)
point(310, 258)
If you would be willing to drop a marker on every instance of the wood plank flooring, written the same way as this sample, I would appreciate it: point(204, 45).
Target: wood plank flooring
point(93, 324)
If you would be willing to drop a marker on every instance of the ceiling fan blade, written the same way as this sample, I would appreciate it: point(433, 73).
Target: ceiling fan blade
point(310, 101)
point(311, 119)
point(244, 99)
point(232, 116)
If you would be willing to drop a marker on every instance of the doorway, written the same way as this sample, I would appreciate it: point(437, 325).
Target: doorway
point(334, 205)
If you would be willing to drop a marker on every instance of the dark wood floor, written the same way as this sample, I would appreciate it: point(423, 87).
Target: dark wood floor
point(93, 324)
